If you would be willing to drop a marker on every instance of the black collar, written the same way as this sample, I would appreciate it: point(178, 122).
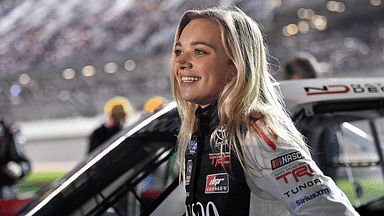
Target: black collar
point(207, 118)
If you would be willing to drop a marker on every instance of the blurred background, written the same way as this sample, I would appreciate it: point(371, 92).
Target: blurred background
point(62, 60)
point(66, 58)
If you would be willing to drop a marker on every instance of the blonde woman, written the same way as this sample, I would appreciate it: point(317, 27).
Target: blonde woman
point(242, 154)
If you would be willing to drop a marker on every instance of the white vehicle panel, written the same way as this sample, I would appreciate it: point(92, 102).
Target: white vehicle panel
point(300, 92)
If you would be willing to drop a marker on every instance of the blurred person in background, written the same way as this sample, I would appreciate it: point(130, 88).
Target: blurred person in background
point(153, 104)
point(14, 164)
point(236, 137)
point(304, 68)
point(115, 110)
point(299, 68)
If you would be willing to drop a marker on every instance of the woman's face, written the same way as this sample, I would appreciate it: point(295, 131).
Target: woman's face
point(199, 62)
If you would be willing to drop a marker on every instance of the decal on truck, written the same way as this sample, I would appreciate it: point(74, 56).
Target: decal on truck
point(331, 89)
point(342, 89)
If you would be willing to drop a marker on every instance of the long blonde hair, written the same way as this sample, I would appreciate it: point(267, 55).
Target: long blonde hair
point(253, 91)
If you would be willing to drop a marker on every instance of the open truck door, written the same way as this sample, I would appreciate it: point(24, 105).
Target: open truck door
point(130, 174)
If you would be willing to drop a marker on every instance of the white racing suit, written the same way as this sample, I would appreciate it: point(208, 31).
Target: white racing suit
point(283, 179)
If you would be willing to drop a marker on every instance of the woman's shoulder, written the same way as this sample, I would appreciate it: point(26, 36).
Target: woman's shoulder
point(257, 126)
point(262, 152)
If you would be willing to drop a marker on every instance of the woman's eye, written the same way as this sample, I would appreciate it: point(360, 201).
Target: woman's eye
point(199, 52)
point(178, 52)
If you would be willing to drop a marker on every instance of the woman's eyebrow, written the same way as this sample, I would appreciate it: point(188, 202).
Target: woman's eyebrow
point(197, 43)
point(202, 43)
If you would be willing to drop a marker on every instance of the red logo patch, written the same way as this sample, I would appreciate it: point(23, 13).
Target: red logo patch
point(217, 183)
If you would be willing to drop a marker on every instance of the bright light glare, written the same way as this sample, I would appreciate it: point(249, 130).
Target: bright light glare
point(24, 79)
point(319, 22)
point(303, 13)
point(111, 67)
point(335, 6)
point(376, 2)
point(130, 65)
point(15, 90)
point(88, 71)
point(303, 26)
point(292, 29)
point(69, 73)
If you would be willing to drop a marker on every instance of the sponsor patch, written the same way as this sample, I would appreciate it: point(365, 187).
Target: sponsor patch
point(303, 187)
point(286, 159)
point(309, 198)
point(217, 183)
point(191, 150)
point(218, 159)
point(188, 172)
point(221, 137)
point(296, 173)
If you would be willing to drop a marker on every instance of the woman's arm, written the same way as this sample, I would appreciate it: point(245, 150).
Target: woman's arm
point(288, 175)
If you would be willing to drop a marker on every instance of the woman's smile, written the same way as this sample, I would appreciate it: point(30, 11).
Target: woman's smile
point(190, 79)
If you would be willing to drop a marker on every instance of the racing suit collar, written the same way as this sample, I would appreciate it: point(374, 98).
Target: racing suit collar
point(207, 118)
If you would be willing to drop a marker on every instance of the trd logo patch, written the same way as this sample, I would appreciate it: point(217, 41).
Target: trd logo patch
point(216, 158)
point(217, 183)
point(296, 173)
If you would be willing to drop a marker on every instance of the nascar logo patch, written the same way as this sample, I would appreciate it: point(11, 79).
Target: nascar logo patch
point(286, 159)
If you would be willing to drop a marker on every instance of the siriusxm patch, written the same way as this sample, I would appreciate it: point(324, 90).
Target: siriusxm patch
point(310, 197)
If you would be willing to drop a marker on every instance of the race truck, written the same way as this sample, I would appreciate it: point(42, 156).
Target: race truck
point(136, 172)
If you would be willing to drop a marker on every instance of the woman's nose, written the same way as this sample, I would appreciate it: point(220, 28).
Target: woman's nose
point(184, 63)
